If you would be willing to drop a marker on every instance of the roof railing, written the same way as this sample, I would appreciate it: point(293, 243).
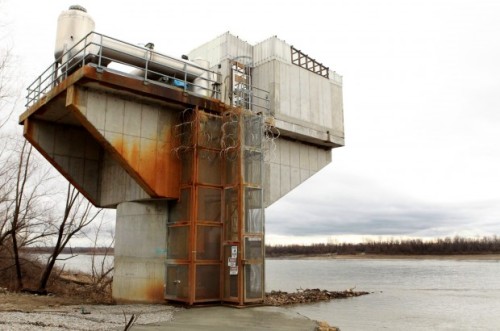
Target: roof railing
point(113, 55)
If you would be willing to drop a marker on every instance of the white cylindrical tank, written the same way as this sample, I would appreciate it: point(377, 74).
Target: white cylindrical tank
point(72, 25)
point(202, 82)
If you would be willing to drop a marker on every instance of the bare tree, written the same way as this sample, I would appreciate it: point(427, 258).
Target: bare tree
point(27, 220)
point(102, 251)
point(78, 213)
point(7, 100)
point(16, 219)
point(7, 169)
point(6, 166)
point(24, 184)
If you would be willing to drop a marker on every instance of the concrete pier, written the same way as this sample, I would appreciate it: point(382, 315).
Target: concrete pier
point(140, 241)
point(190, 153)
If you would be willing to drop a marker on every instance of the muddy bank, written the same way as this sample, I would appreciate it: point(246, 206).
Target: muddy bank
point(280, 298)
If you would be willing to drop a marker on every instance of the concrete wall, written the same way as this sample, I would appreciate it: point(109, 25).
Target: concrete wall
point(303, 103)
point(116, 185)
point(139, 134)
point(72, 150)
point(140, 251)
point(307, 108)
point(220, 52)
point(271, 49)
point(291, 163)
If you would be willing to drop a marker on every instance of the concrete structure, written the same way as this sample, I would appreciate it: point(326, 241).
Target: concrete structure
point(226, 318)
point(305, 104)
point(189, 152)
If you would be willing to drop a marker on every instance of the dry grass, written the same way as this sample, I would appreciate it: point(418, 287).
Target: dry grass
point(73, 286)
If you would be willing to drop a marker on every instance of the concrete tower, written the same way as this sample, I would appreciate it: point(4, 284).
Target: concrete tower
point(189, 152)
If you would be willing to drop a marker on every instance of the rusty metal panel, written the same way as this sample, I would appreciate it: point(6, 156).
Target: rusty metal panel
point(177, 282)
point(207, 282)
point(209, 167)
point(208, 239)
point(209, 204)
point(209, 134)
point(178, 240)
point(179, 211)
point(230, 131)
point(184, 133)
point(186, 159)
point(231, 214)
point(231, 168)
point(303, 60)
point(222, 172)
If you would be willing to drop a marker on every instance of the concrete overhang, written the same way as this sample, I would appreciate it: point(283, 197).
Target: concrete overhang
point(73, 127)
point(133, 86)
point(307, 132)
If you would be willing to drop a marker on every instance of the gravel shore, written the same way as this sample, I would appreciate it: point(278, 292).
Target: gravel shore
point(89, 317)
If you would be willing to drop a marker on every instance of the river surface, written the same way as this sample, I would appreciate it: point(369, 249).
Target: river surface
point(406, 294)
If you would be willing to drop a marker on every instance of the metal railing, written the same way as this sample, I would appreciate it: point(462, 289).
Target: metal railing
point(251, 98)
point(113, 55)
point(244, 94)
point(137, 62)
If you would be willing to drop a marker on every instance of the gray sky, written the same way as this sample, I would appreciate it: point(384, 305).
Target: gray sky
point(421, 101)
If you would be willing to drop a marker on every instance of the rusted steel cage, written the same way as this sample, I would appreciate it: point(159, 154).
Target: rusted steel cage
point(215, 235)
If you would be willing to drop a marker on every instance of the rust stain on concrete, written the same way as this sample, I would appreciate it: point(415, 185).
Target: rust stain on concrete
point(152, 161)
point(154, 292)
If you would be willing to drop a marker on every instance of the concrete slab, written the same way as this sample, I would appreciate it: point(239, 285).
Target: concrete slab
point(228, 318)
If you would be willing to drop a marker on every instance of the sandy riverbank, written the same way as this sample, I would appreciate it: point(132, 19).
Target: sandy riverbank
point(50, 313)
point(493, 257)
point(29, 312)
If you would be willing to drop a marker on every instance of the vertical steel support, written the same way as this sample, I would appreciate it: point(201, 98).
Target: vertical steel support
point(248, 261)
point(202, 224)
point(240, 257)
point(194, 211)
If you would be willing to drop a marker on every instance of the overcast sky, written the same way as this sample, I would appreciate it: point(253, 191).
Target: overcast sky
point(421, 101)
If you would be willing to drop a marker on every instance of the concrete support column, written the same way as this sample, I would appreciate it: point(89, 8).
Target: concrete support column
point(140, 249)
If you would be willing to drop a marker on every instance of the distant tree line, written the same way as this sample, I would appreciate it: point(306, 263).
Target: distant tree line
point(70, 250)
point(445, 246)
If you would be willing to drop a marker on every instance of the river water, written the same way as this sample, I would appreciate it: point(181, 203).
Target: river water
point(406, 294)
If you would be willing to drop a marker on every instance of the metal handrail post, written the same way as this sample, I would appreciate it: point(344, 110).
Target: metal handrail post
point(185, 77)
point(146, 66)
point(39, 92)
point(99, 58)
